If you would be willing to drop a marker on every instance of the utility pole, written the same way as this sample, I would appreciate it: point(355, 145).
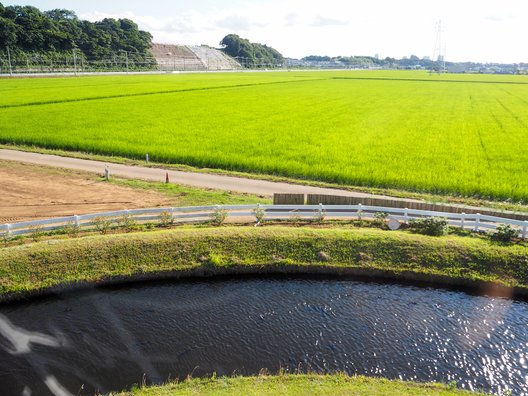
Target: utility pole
point(9, 62)
point(439, 51)
point(126, 60)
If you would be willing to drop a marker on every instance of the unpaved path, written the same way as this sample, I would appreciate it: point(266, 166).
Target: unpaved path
point(28, 192)
point(203, 180)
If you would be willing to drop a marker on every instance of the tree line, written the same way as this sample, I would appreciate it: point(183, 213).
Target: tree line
point(27, 31)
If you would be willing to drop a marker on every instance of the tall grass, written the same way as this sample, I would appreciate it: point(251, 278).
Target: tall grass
point(385, 129)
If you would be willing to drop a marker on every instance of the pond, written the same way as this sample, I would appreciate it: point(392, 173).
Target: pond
point(111, 338)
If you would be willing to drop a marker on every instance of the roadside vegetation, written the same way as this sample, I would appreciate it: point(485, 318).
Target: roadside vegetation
point(300, 384)
point(193, 196)
point(457, 135)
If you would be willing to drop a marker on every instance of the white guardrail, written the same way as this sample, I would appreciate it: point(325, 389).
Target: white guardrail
point(199, 214)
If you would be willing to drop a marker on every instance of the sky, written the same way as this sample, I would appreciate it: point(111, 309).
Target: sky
point(472, 30)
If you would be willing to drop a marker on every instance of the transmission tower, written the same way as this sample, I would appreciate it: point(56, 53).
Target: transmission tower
point(438, 59)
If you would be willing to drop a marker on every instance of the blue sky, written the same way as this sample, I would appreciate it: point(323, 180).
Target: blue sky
point(477, 30)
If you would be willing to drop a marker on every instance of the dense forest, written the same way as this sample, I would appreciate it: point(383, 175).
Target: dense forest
point(28, 33)
point(251, 55)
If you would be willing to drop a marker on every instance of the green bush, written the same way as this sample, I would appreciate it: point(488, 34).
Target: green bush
point(166, 219)
point(259, 214)
point(319, 216)
point(435, 226)
point(504, 233)
point(218, 216)
point(380, 218)
point(71, 229)
point(102, 224)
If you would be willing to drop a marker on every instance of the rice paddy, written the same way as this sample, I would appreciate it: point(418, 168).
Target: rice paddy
point(455, 134)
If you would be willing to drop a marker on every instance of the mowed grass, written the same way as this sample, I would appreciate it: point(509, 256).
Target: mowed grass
point(455, 134)
point(298, 384)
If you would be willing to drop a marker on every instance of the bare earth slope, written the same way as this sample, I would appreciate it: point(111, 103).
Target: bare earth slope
point(30, 192)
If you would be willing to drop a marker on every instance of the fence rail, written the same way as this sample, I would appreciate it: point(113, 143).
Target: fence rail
point(192, 214)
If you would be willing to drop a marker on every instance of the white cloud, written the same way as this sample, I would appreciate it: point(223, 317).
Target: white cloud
point(321, 21)
point(236, 23)
point(479, 30)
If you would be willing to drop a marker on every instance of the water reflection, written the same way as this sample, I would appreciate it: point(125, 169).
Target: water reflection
point(110, 339)
point(23, 342)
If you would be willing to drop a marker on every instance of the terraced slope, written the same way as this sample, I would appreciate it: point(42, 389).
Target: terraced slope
point(191, 58)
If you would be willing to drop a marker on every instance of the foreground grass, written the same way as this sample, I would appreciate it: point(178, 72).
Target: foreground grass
point(311, 384)
point(425, 133)
point(202, 251)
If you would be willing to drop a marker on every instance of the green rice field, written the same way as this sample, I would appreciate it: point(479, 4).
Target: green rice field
point(455, 134)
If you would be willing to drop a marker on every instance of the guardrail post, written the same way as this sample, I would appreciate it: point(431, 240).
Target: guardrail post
point(8, 230)
point(320, 209)
point(171, 211)
point(463, 220)
point(360, 209)
point(525, 229)
point(406, 215)
point(477, 222)
point(76, 221)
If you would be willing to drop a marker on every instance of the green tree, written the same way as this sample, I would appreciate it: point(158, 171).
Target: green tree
point(250, 54)
point(54, 34)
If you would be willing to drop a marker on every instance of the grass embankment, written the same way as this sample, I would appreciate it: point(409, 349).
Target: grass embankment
point(425, 133)
point(310, 384)
point(274, 249)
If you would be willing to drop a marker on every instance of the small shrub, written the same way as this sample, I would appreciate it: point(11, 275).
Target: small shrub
point(5, 237)
point(259, 214)
point(71, 229)
point(319, 216)
point(218, 216)
point(380, 218)
point(127, 222)
point(295, 217)
point(37, 232)
point(102, 224)
point(358, 223)
point(505, 233)
point(166, 219)
point(435, 226)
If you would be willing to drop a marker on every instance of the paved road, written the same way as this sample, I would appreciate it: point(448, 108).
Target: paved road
point(195, 179)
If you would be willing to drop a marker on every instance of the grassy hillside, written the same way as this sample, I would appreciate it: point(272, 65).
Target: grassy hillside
point(448, 134)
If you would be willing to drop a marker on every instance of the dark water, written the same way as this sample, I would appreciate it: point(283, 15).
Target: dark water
point(112, 338)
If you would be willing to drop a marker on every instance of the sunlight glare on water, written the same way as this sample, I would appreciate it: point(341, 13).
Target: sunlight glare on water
point(106, 339)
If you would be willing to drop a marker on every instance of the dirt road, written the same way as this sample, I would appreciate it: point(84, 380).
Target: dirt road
point(203, 180)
